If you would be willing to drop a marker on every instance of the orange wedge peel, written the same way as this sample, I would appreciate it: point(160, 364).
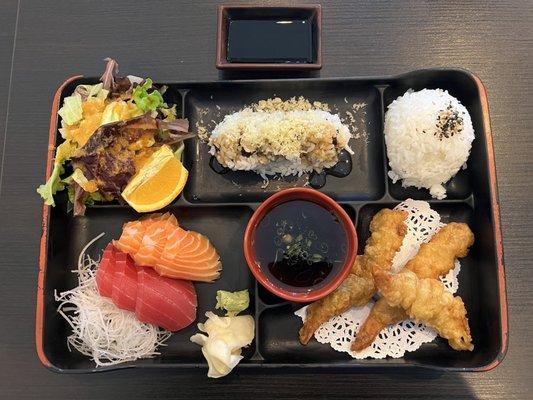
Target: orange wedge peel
point(157, 183)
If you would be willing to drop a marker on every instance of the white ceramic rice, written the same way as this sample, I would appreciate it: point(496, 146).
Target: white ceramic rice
point(418, 153)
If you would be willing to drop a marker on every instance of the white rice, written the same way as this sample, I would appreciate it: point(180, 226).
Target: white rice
point(286, 142)
point(421, 153)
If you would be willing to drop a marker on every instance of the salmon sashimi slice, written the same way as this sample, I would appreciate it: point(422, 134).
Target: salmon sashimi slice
point(179, 242)
point(159, 242)
point(176, 239)
point(204, 261)
point(206, 254)
point(193, 265)
point(202, 249)
point(153, 242)
point(173, 274)
point(202, 268)
point(194, 245)
point(197, 250)
point(132, 234)
point(204, 276)
point(200, 263)
point(160, 217)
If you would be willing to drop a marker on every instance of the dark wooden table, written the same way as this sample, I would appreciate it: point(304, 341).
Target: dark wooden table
point(41, 43)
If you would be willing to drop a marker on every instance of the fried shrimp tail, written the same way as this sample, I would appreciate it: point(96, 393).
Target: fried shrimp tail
point(427, 301)
point(354, 291)
point(381, 316)
point(434, 259)
point(387, 232)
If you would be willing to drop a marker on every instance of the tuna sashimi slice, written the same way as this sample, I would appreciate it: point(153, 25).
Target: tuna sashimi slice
point(105, 271)
point(124, 293)
point(168, 303)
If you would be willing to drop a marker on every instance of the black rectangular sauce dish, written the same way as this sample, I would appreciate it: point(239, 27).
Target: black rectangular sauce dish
point(269, 37)
point(220, 206)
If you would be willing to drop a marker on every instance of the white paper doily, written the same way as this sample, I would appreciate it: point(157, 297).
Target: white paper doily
point(394, 341)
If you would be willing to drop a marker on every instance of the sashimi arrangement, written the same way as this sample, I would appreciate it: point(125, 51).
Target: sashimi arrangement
point(100, 329)
point(140, 280)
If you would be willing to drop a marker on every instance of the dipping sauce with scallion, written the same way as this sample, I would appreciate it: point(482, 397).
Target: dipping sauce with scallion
point(300, 243)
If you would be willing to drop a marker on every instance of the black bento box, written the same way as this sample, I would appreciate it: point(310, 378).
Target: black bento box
point(220, 206)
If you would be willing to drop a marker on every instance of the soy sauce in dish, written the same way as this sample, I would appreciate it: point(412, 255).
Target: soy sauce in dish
point(300, 243)
point(264, 40)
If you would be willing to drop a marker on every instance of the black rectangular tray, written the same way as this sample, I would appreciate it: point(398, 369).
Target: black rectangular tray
point(219, 206)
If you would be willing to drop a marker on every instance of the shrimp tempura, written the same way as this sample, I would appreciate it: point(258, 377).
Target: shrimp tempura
point(434, 259)
point(427, 301)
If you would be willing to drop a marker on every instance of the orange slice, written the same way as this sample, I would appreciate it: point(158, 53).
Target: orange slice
point(159, 181)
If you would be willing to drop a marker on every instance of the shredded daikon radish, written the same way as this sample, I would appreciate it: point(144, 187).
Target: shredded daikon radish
point(100, 329)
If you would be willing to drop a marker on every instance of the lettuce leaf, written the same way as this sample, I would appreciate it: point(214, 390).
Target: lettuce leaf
point(54, 184)
point(169, 114)
point(87, 91)
point(119, 110)
point(147, 98)
point(93, 197)
point(110, 115)
point(71, 112)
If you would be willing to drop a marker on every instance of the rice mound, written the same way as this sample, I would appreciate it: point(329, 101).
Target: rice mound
point(276, 137)
point(429, 135)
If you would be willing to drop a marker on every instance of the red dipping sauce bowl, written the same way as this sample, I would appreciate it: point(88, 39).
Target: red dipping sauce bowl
point(333, 279)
